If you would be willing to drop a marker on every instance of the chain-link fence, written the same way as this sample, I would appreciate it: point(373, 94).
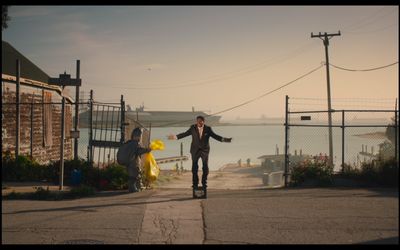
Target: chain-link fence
point(355, 136)
point(83, 125)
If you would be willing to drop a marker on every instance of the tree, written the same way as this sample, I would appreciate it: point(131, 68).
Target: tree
point(390, 131)
point(4, 17)
point(387, 148)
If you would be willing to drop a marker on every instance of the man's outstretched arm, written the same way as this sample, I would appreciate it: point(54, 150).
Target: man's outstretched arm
point(227, 139)
point(218, 137)
point(179, 136)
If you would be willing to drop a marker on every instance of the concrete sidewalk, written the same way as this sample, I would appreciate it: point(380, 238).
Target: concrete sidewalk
point(168, 215)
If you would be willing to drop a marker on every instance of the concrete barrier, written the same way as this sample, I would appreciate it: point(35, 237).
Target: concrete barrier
point(274, 179)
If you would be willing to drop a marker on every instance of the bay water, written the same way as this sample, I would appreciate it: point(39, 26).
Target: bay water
point(251, 142)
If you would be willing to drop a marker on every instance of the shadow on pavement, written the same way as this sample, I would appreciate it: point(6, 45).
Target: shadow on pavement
point(89, 207)
point(306, 192)
point(296, 192)
point(391, 240)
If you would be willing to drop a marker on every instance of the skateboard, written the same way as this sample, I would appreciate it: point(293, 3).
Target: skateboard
point(199, 193)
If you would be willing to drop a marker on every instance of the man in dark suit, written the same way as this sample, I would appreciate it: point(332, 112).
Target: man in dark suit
point(200, 148)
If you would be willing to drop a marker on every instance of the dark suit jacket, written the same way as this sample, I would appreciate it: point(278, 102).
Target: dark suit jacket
point(200, 144)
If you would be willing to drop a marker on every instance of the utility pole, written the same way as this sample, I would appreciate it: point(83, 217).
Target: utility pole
point(325, 38)
point(61, 175)
point(286, 141)
point(18, 118)
point(62, 81)
point(76, 122)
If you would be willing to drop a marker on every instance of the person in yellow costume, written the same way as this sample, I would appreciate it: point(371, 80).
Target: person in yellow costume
point(151, 170)
point(200, 148)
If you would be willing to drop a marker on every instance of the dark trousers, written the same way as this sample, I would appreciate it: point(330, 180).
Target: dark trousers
point(133, 181)
point(195, 168)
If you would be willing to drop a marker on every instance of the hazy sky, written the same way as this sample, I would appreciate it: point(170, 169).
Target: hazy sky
point(212, 57)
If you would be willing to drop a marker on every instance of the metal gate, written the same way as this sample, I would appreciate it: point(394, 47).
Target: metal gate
point(108, 130)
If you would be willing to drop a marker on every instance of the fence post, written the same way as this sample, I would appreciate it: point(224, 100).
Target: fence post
point(17, 95)
point(122, 119)
point(76, 145)
point(90, 150)
point(396, 127)
point(342, 141)
point(31, 141)
point(62, 144)
point(181, 155)
point(101, 132)
point(286, 141)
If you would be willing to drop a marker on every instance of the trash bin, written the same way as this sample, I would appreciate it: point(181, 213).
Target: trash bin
point(76, 177)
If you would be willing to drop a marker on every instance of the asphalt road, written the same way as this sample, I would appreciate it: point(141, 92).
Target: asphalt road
point(168, 215)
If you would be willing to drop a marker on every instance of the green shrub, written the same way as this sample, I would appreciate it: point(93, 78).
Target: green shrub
point(380, 172)
point(298, 175)
point(377, 172)
point(116, 176)
point(113, 176)
point(41, 193)
point(14, 196)
point(369, 172)
point(21, 169)
point(349, 171)
point(312, 170)
point(389, 173)
point(69, 166)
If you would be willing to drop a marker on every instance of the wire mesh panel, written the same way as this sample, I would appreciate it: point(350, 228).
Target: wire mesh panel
point(315, 104)
point(358, 135)
point(83, 128)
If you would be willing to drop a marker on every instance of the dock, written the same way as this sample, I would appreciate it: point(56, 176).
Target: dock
point(171, 159)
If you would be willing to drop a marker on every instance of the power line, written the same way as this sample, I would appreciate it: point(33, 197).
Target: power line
point(382, 67)
point(344, 98)
point(251, 100)
point(363, 19)
point(367, 20)
point(227, 75)
point(371, 31)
